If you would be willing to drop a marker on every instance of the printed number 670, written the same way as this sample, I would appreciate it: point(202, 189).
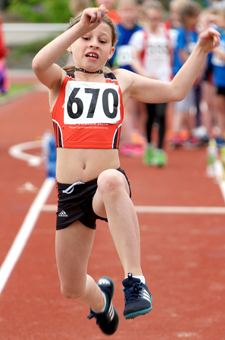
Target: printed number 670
point(95, 93)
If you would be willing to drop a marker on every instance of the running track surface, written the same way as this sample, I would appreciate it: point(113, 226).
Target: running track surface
point(183, 255)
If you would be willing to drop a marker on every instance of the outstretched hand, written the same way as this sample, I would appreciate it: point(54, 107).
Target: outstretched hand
point(209, 39)
point(92, 17)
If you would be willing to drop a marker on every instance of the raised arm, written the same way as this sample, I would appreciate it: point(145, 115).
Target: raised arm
point(49, 73)
point(153, 91)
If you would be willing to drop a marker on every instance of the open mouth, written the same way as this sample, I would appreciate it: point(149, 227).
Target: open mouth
point(92, 55)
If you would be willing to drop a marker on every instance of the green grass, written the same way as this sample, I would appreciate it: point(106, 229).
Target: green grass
point(15, 89)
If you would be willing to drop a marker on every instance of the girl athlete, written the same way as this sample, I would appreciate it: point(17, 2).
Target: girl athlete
point(87, 112)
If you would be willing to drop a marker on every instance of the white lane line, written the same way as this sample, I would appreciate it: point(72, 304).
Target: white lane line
point(161, 209)
point(180, 210)
point(25, 231)
point(17, 151)
point(219, 176)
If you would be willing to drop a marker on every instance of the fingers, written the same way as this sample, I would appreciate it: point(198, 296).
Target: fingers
point(210, 38)
point(216, 41)
point(90, 13)
point(101, 11)
point(215, 36)
point(96, 14)
point(213, 32)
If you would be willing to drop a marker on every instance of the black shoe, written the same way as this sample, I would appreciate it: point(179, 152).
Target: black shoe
point(108, 321)
point(138, 299)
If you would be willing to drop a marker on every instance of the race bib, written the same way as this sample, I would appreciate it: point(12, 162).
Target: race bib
point(91, 103)
point(158, 50)
point(124, 55)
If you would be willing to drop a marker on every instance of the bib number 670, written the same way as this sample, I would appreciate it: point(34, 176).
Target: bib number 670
point(73, 99)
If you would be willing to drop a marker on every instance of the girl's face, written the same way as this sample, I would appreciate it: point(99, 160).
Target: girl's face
point(191, 21)
point(92, 51)
point(128, 13)
point(153, 18)
point(175, 16)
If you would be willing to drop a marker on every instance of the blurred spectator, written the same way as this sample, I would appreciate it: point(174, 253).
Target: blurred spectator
point(111, 5)
point(218, 62)
point(152, 58)
point(218, 4)
point(122, 58)
point(173, 23)
point(76, 7)
point(4, 78)
point(208, 17)
point(186, 41)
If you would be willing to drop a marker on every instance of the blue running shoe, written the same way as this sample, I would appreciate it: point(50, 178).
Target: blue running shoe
point(108, 321)
point(138, 299)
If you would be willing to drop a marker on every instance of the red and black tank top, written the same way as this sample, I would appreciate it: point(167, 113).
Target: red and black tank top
point(88, 115)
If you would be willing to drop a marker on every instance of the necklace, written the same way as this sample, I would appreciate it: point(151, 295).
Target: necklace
point(82, 70)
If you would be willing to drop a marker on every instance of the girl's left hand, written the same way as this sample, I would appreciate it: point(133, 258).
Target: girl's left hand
point(209, 39)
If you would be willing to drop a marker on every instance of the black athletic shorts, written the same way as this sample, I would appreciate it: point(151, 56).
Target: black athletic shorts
point(75, 203)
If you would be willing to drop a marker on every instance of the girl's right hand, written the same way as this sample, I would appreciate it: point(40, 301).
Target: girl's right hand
point(92, 17)
point(209, 39)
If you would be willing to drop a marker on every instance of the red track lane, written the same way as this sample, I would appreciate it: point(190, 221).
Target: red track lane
point(182, 254)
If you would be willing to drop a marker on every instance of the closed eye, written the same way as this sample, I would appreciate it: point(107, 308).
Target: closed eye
point(85, 38)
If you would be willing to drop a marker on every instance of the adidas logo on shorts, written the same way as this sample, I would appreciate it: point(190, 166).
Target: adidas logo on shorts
point(62, 214)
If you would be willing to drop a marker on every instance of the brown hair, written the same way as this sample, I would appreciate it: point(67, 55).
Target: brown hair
point(190, 9)
point(177, 4)
point(106, 20)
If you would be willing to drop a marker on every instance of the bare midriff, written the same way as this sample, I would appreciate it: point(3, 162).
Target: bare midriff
point(84, 164)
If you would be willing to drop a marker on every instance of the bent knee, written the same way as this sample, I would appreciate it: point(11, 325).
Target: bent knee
point(72, 292)
point(111, 181)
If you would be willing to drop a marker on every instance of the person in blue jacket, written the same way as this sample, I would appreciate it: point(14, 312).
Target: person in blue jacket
point(218, 62)
point(186, 41)
point(122, 58)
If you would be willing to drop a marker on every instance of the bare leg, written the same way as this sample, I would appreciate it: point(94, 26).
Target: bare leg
point(112, 201)
point(73, 246)
point(177, 121)
point(209, 106)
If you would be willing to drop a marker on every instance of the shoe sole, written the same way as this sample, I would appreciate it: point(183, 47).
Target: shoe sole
point(135, 314)
point(139, 313)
